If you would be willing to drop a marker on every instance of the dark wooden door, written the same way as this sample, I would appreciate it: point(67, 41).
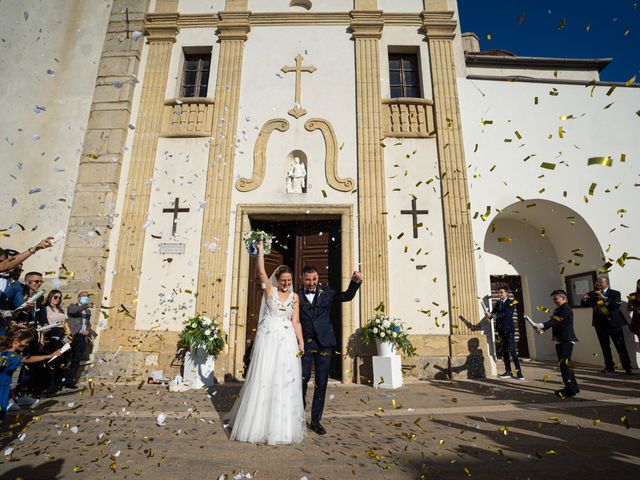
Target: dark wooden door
point(271, 262)
point(514, 283)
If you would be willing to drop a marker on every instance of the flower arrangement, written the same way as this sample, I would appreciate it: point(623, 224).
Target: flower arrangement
point(202, 332)
point(385, 328)
point(252, 238)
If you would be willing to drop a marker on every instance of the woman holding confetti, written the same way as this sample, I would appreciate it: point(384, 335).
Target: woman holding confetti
point(11, 358)
point(269, 409)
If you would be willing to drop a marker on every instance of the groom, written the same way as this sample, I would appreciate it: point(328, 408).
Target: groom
point(319, 337)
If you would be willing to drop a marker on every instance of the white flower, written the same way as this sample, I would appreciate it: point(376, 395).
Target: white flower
point(386, 323)
point(375, 330)
point(208, 332)
point(394, 334)
point(382, 334)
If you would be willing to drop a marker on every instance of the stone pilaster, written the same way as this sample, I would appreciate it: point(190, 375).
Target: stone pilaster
point(92, 212)
point(439, 28)
point(233, 29)
point(367, 28)
point(162, 32)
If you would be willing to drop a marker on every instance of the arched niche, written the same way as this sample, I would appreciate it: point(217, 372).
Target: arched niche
point(300, 5)
point(299, 154)
point(543, 242)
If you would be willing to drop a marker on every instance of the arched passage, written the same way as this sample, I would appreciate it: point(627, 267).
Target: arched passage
point(543, 242)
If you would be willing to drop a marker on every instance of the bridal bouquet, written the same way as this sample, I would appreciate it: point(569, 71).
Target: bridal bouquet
point(252, 238)
point(202, 332)
point(388, 329)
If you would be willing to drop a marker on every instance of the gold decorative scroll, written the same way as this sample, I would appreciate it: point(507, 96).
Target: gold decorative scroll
point(260, 154)
point(331, 154)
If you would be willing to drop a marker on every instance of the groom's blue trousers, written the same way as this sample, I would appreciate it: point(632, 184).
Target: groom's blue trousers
point(321, 356)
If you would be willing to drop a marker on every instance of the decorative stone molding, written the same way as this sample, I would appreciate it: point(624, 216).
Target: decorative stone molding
point(128, 262)
point(162, 27)
point(408, 118)
point(331, 155)
point(260, 154)
point(232, 32)
point(187, 117)
point(439, 29)
point(366, 28)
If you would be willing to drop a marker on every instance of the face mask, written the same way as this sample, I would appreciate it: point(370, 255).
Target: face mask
point(84, 300)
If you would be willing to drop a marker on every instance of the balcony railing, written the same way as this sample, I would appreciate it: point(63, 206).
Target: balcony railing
point(187, 117)
point(408, 118)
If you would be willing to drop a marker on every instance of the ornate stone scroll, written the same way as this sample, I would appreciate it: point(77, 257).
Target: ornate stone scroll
point(331, 155)
point(260, 154)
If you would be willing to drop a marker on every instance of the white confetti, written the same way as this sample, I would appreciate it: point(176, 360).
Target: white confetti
point(35, 137)
point(137, 34)
point(22, 436)
point(147, 224)
point(51, 72)
point(74, 429)
point(162, 417)
point(35, 190)
point(39, 109)
point(8, 451)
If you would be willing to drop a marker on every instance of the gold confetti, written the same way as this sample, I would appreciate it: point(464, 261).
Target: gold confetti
point(611, 90)
point(548, 166)
point(562, 24)
point(518, 135)
point(625, 422)
point(505, 239)
point(623, 158)
point(592, 188)
point(522, 18)
point(561, 132)
point(489, 36)
point(630, 81)
point(542, 308)
point(486, 122)
point(604, 161)
point(588, 27)
point(535, 100)
point(554, 92)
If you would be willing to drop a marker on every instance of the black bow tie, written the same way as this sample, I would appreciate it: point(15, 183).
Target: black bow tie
point(309, 292)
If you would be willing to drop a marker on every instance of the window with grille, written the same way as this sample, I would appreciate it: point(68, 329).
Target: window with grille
point(195, 75)
point(404, 75)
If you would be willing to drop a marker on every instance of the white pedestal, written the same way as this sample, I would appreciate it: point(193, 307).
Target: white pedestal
point(390, 369)
point(198, 369)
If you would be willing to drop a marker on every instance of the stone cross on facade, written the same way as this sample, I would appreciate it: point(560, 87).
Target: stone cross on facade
point(175, 210)
point(297, 111)
point(414, 212)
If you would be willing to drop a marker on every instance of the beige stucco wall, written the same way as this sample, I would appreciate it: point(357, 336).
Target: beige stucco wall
point(42, 150)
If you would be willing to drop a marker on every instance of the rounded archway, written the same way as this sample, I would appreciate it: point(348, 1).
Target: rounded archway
point(540, 244)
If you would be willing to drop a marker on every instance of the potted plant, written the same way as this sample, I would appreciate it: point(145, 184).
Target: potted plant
point(203, 339)
point(389, 335)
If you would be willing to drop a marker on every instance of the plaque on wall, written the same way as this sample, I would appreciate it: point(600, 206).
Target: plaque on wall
point(172, 248)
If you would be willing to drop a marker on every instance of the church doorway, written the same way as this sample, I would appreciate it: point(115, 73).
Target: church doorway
point(298, 243)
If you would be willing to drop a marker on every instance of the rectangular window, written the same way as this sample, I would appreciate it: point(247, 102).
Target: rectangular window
point(195, 75)
point(404, 75)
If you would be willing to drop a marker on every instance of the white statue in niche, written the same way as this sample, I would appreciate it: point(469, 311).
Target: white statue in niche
point(296, 176)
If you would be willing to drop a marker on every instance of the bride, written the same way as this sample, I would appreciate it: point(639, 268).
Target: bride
point(269, 409)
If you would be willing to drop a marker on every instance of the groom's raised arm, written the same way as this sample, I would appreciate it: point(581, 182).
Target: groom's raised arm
point(350, 292)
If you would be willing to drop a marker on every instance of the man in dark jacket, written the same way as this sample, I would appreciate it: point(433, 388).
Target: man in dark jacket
point(319, 337)
point(80, 325)
point(561, 325)
point(608, 321)
point(502, 313)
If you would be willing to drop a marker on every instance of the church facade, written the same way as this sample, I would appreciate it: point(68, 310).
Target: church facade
point(366, 135)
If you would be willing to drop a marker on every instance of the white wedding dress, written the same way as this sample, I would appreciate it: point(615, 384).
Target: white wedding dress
point(269, 409)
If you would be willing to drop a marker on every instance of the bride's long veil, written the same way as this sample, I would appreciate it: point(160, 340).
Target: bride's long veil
point(263, 302)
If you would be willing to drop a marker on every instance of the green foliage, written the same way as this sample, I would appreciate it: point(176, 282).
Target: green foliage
point(202, 332)
point(388, 329)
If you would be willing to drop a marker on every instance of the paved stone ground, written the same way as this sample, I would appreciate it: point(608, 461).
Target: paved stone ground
point(437, 429)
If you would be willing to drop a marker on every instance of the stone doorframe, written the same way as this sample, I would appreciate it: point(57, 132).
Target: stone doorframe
point(240, 280)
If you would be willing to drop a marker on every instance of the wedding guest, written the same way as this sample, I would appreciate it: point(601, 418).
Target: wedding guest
point(54, 339)
point(502, 313)
point(80, 325)
point(561, 325)
point(11, 262)
point(11, 295)
point(32, 316)
point(608, 321)
point(633, 305)
point(11, 358)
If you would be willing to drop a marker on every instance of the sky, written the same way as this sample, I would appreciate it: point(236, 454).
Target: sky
point(560, 28)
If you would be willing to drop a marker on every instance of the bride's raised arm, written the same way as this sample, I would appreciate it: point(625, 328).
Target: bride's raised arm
point(264, 278)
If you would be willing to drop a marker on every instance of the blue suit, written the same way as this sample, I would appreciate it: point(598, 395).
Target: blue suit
point(319, 339)
point(503, 313)
point(10, 299)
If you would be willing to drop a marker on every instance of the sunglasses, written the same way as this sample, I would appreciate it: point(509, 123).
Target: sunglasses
point(56, 297)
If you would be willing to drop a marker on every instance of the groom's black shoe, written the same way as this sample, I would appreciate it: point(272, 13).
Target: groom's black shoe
point(318, 428)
